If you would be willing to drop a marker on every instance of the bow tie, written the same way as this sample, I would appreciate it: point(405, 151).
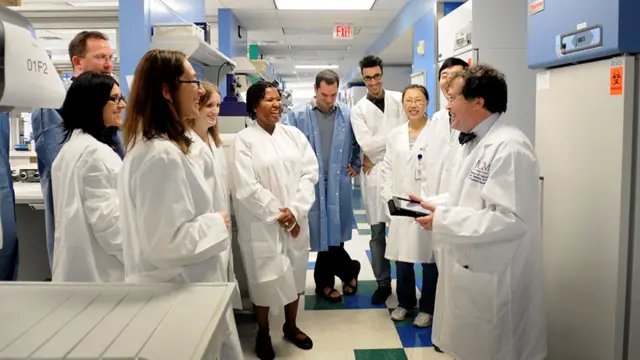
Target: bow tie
point(464, 138)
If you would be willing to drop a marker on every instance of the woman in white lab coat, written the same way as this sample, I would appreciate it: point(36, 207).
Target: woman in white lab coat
point(171, 231)
point(88, 246)
point(275, 175)
point(207, 150)
point(404, 171)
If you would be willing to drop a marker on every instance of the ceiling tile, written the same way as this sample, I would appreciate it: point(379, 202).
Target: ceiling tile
point(249, 4)
point(388, 4)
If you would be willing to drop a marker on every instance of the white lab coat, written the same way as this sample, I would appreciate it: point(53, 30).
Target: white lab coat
point(272, 172)
point(489, 297)
point(214, 167)
point(171, 232)
point(445, 139)
point(403, 173)
point(371, 128)
point(88, 246)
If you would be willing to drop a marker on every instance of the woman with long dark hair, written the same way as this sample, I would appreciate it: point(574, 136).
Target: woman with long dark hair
point(171, 231)
point(88, 245)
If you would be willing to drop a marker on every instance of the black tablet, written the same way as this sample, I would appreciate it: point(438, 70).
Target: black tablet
point(405, 207)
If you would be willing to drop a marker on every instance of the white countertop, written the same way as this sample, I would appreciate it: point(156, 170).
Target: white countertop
point(28, 193)
point(47, 321)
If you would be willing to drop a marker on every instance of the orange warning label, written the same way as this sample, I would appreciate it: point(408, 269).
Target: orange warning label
point(616, 80)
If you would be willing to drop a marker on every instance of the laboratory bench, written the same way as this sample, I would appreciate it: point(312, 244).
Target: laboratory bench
point(113, 321)
point(31, 228)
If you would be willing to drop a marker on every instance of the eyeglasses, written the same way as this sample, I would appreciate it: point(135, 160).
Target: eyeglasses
point(103, 58)
point(196, 82)
point(117, 99)
point(375, 77)
point(418, 102)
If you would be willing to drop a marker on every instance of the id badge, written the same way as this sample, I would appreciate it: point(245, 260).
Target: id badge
point(418, 174)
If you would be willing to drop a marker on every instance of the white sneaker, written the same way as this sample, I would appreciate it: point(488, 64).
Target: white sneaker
point(399, 314)
point(423, 320)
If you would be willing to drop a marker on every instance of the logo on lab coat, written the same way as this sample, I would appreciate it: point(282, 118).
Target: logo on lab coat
point(480, 172)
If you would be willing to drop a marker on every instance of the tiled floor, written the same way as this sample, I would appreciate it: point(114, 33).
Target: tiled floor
point(353, 328)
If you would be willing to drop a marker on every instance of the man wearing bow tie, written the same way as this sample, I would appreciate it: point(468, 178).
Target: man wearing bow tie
point(489, 303)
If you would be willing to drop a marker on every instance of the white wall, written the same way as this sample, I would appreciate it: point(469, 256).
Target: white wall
point(396, 78)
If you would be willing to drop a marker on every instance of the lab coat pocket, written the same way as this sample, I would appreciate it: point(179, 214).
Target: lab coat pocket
point(474, 294)
point(265, 251)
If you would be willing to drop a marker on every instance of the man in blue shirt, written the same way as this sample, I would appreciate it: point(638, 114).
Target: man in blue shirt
point(327, 126)
point(88, 51)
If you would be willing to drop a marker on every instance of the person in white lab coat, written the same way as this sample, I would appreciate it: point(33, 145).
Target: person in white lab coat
point(88, 245)
point(275, 175)
point(171, 231)
point(372, 119)
point(446, 137)
point(489, 303)
point(207, 150)
point(408, 168)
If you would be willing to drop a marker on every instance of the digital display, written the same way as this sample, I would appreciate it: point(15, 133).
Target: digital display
point(413, 206)
point(581, 39)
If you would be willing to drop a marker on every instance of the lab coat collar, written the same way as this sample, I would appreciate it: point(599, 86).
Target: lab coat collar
point(484, 126)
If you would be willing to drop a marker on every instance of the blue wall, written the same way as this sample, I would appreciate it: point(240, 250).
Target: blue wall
point(425, 29)
point(136, 17)
point(450, 6)
point(231, 42)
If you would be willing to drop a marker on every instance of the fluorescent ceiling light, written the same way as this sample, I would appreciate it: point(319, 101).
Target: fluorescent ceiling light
point(324, 4)
point(94, 3)
point(316, 66)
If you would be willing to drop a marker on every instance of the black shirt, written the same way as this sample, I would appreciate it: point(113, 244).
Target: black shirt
point(377, 102)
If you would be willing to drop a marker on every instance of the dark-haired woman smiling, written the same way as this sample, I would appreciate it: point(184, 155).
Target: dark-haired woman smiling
point(275, 175)
point(84, 177)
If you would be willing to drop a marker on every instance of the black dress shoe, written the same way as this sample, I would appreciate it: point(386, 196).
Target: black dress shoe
point(303, 342)
point(264, 348)
point(437, 349)
point(380, 295)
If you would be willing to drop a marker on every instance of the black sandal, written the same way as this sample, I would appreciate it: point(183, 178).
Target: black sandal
point(327, 295)
point(303, 342)
point(347, 288)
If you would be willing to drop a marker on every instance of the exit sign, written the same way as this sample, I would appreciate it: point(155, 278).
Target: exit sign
point(343, 32)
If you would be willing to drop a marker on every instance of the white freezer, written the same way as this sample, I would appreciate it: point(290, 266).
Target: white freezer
point(587, 145)
point(46, 321)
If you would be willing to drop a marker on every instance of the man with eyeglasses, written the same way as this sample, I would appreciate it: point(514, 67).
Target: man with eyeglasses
point(88, 51)
point(372, 119)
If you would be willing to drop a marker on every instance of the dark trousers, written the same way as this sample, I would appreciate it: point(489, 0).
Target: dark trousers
point(333, 262)
point(406, 286)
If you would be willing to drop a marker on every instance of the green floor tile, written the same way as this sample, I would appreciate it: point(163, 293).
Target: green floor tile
point(313, 302)
point(367, 286)
point(381, 354)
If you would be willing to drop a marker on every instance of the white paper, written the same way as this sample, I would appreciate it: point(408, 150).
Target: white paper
point(582, 26)
point(543, 81)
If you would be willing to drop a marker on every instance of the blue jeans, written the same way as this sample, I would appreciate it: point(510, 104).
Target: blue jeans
point(406, 286)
